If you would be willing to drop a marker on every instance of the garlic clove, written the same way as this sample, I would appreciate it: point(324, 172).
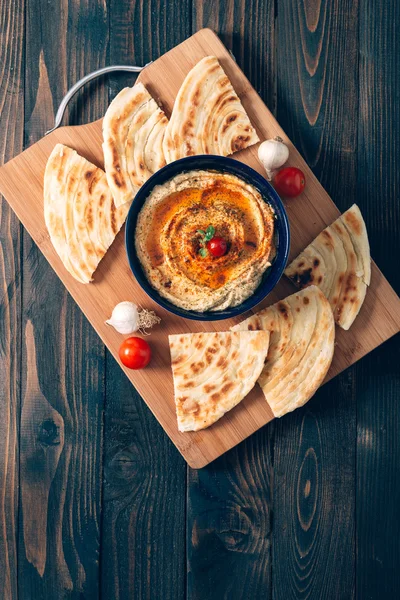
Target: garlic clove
point(127, 318)
point(124, 318)
point(273, 154)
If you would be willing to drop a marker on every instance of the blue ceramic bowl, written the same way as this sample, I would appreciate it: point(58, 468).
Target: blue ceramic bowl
point(224, 165)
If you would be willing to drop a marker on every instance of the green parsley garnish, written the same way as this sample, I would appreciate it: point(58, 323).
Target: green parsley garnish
point(206, 236)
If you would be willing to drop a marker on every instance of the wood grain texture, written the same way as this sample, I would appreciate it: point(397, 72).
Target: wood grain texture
point(379, 317)
point(11, 140)
point(144, 502)
point(378, 380)
point(313, 544)
point(143, 541)
point(229, 516)
point(229, 523)
point(314, 452)
point(61, 420)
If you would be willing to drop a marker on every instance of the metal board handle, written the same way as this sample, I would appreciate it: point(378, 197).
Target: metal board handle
point(72, 91)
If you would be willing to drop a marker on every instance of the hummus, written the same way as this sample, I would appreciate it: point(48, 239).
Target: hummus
point(168, 240)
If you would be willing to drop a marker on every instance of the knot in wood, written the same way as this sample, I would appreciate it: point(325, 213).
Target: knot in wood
point(49, 433)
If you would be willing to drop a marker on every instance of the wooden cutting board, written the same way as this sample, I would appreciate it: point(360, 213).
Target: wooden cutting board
point(21, 182)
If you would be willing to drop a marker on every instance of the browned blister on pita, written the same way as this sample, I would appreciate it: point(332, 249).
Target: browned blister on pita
point(80, 214)
point(338, 262)
point(300, 351)
point(213, 372)
point(133, 132)
point(208, 117)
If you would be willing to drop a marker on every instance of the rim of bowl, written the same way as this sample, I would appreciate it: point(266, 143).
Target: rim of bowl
point(220, 164)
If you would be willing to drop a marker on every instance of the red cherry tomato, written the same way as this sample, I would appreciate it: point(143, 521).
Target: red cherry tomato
point(289, 182)
point(135, 353)
point(217, 246)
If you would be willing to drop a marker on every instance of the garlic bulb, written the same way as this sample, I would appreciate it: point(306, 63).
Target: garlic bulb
point(273, 154)
point(127, 318)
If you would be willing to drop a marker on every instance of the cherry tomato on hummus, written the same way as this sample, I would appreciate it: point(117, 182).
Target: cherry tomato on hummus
point(217, 246)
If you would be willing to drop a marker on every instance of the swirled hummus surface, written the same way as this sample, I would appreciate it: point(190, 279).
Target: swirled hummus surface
point(168, 240)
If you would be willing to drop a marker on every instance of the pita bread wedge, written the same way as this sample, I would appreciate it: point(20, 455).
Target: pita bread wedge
point(338, 262)
point(301, 348)
point(133, 131)
point(79, 211)
point(208, 117)
point(213, 372)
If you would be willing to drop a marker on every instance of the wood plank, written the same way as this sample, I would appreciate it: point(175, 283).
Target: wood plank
point(62, 401)
point(229, 523)
point(313, 546)
point(378, 320)
point(314, 452)
point(229, 502)
point(378, 382)
point(11, 141)
point(143, 525)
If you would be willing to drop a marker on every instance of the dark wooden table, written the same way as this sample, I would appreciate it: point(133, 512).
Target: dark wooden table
point(95, 501)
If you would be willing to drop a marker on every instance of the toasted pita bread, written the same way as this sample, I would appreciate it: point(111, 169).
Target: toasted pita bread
point(213, 372)
point(338, 262)
point(301, 348)
point(208, 117)
point(79, 211)
point(133, 131)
